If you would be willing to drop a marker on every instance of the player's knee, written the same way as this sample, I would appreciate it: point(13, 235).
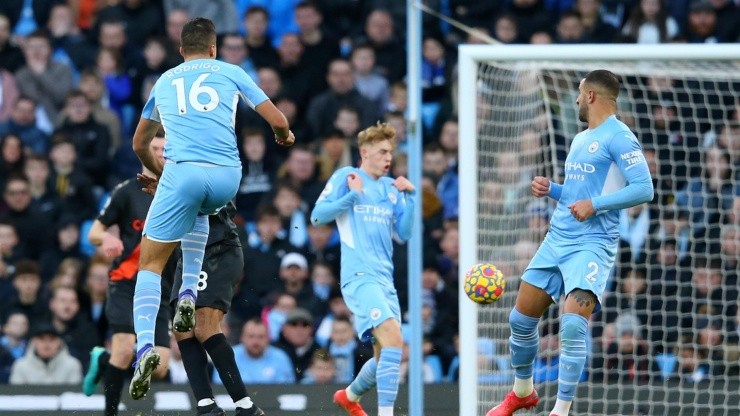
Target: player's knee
point(522, 324)
point(573, 327)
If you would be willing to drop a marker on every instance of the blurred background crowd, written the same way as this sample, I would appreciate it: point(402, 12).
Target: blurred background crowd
point(73, 78)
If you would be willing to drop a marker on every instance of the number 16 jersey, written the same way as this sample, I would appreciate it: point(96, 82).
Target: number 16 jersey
point(196, 103)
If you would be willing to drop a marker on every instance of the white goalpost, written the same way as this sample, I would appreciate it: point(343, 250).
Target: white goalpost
point(668, 333)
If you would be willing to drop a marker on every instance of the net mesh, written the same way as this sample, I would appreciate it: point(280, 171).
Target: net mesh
point(666, 341)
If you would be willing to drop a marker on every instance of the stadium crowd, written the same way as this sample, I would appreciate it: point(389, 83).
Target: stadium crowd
point(74, 75)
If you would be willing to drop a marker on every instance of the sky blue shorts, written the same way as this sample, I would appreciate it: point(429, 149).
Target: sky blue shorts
point(372, 302)
point(560, 267)
point(186, 190)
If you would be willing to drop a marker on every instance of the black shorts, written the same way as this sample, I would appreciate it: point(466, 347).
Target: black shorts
point(119, 309)
point(223, 266)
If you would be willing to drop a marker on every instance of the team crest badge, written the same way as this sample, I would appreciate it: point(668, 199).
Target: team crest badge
point(374, 314)
point(593, 147)
point(392, 198)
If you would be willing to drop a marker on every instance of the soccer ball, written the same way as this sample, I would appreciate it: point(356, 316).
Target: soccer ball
point(484, 283)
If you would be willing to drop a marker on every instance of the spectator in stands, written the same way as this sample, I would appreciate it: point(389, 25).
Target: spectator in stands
point(15, 334)
point(91, 139)
point(569, 28)
point(321, 247)
point(259, 43)
point(649, 22)
point(435, 76)
point(258, 173)
point(380, 33)
point(91, 84)
point(274, 314)
point(45, 200)
point(345, 349)
point(43, 79)
point(155, 64)
point(118, 83)
point(292, 211)
point(324, 107)
point(262, 256)
point(69, 46)
point(711, 340)
point(634, 230)
point(299, 81)
point(708, 297)
point(702, 26)
point(66, 245)
point(728, 14)
point(71, 184)
point(505, 29)
point(708, 197)
point(368, 82)
point(347, 120)
point(336, 151)
point(12, 157)
point(234, 50)
point(730, 250)
point(176, 19)
point(22, 123)
point(140, 18)
point(320, 45)
point(27, 299)
point(95, 291)
point(692, 364)
point(323, 280)
point(449, 258)
point(269, 80)
point(11, 56)
point(258, 361)
point(47, 361)
point(300, 170)
point(628, 355)
point(113, 36)
point(296, 340)
point(8, 93)
point(530, 16)
point(10, 252)
point(294, 275)
point(596, 30)
point(322, 369)
point(34, 229)
point(75, 328)
point(221, 12)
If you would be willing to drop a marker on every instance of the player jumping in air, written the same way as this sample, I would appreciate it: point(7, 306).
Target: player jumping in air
point(195, 102)
point(369, 207)
point(605, 171)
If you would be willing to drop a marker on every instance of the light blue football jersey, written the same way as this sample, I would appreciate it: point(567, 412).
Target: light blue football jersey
point(366, 222)
point(601, 162)
point(196, 103)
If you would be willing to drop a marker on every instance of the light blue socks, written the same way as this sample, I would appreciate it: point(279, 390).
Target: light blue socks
point(523, 343)
point(147, 296)
point(573, 353)
point(193, 246)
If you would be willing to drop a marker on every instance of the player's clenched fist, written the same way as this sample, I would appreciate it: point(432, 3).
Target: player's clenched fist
point(286, 142)
point(582, 209)
point(354, 181)
point(540, 186)
point(403, 184)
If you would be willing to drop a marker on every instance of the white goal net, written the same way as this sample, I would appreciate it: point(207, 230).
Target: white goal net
point(666, 340)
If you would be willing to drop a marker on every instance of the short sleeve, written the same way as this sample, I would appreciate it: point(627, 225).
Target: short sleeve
point(248, 90)
point(336, 187)
point(111, 212)
point(150, 108)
